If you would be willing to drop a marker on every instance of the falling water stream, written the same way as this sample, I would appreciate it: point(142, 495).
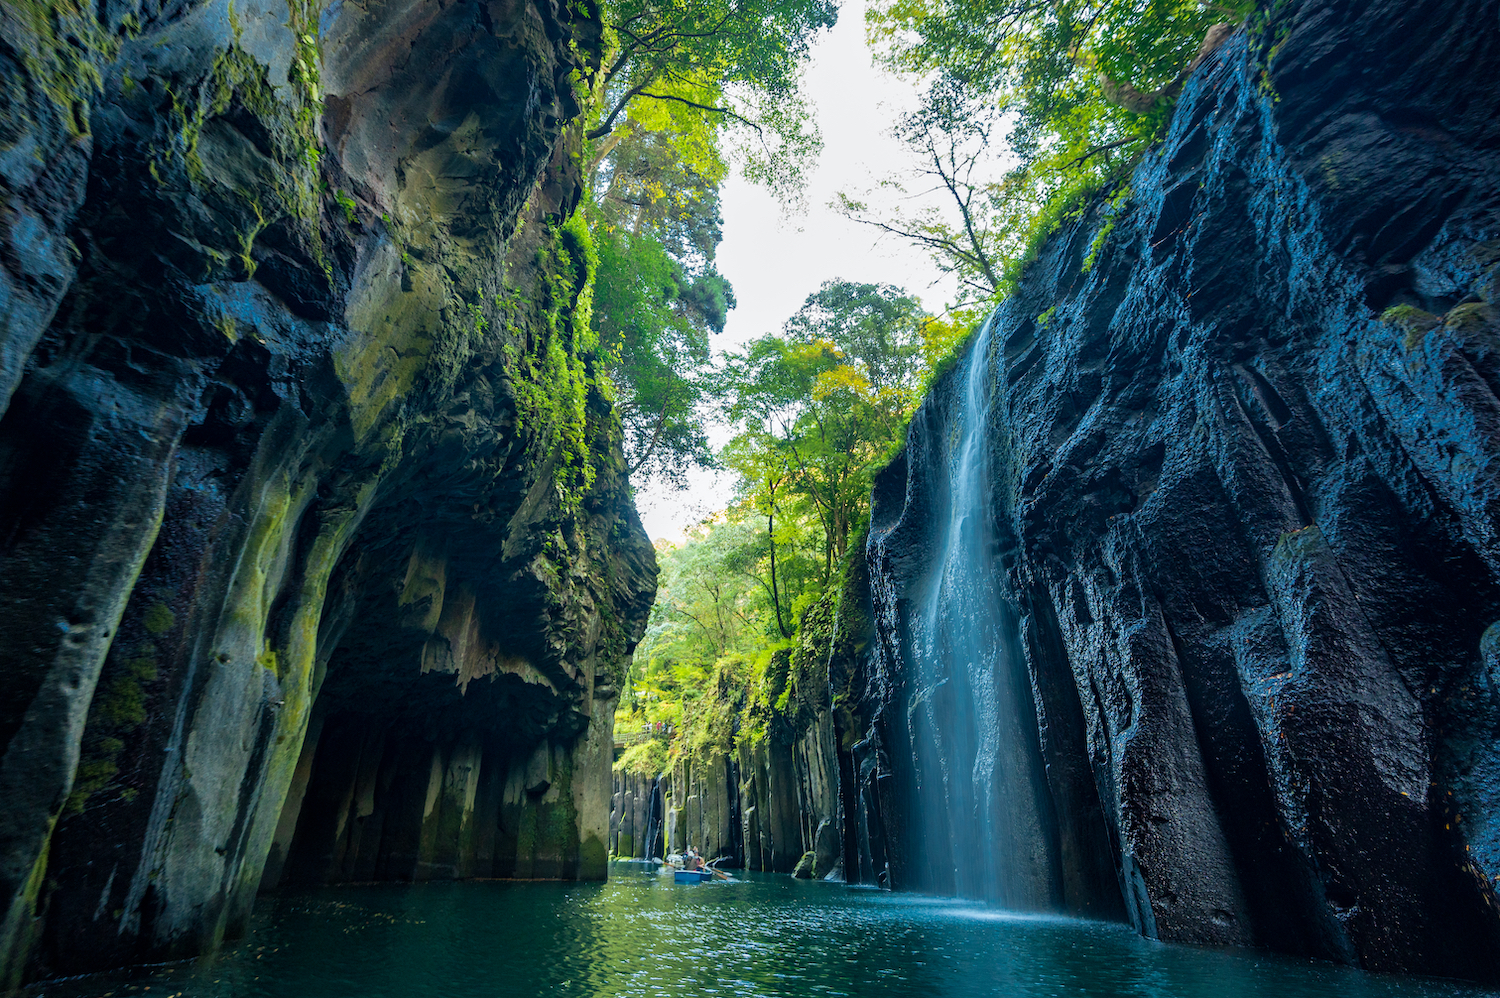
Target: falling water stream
point(985, 813)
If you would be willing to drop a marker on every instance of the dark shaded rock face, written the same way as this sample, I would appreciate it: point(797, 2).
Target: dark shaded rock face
point(1248, 513)
point(317, 558)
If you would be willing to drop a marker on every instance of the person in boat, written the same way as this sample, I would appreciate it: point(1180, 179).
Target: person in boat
point(691, 860)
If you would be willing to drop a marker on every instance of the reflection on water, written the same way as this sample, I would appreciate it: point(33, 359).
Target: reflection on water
point(765, 936)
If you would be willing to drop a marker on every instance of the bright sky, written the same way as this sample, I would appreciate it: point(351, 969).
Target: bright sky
point(775, 262)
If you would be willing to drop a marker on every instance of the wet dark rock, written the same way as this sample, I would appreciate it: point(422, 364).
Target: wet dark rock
point(637, 823)
point(1248, 495)
point(301, 579)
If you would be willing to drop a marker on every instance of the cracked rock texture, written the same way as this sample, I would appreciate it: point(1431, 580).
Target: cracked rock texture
point(1248, 491)
point(317, 557)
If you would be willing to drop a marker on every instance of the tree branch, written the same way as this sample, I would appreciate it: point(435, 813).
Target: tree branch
point(728, 112)
point(1106, 147)
point(608, 124)
point(661, 422)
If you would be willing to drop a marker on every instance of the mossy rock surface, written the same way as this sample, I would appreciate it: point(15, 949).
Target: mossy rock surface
point(305, 346)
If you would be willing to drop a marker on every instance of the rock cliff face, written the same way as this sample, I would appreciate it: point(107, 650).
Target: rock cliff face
point(1246, 495)
point(317, 559)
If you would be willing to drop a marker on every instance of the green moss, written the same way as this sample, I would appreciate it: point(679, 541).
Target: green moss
point(443, 828)
point(347, 203)
point(292, 190)
point(1414, 322)
point(143, 667)
point(1115, 207)
point(248, 237)
point(119, 708)
point(124, 704)
point(159, 619)
point(62, 47)
point(554, 379)
point(1470, 317)
point(268, 661)
point(21, 926)
point(93, 775)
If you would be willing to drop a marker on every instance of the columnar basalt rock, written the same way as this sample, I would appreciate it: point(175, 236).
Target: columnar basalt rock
point(1244, 433)
point(636, 822)
point(312, 494)
point(790, 791)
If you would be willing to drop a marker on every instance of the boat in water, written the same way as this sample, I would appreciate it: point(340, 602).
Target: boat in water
point(678, 868)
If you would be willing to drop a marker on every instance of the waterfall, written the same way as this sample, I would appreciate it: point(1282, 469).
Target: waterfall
point(984, 811)
point(655, 842)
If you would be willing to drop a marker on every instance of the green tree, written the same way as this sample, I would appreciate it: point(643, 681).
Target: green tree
point(705, 606)
point(705, 647)
point(653, 315)
point(819, 407)
point(816, 409)
point(658, 297)
point(733, 63)
point(683, 80)
point(1065, 94)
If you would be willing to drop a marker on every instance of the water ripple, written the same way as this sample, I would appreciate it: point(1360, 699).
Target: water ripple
point(766, 937)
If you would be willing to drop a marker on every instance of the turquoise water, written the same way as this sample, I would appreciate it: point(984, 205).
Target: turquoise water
point(637, 935)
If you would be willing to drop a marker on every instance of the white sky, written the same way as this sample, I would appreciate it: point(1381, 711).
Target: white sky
point(774, 262)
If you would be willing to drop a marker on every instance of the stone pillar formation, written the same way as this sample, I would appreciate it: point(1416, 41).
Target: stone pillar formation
point(302, 576)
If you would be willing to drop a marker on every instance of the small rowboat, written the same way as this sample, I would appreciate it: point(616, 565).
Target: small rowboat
point(691, 876)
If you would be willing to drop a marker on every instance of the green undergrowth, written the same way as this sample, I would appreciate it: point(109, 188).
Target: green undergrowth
point(741, 699)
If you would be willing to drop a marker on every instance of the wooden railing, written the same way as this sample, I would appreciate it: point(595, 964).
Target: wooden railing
point(624, 739)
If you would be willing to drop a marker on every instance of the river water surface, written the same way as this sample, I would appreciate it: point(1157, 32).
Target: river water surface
point(763, 936)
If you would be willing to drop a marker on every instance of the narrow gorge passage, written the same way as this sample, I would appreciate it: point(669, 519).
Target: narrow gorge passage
point(1118, 615)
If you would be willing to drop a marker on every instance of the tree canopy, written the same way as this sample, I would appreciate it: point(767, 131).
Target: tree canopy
point(719, 64)
point(816, 410)
point(687, 87)
point(819, 406)
point(1030, 107)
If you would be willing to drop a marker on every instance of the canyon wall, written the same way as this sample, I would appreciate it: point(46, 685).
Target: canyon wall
point(317, 557)
point(1242, 429)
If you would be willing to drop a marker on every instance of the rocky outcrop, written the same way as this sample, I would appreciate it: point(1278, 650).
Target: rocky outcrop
point(1244, 433)
point(636, 825)
point(319, 561)
point(703, 808)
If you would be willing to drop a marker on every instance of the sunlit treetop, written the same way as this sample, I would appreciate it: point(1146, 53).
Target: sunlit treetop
point(717, 66)
point(1030, 107)
point(1045, 60)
